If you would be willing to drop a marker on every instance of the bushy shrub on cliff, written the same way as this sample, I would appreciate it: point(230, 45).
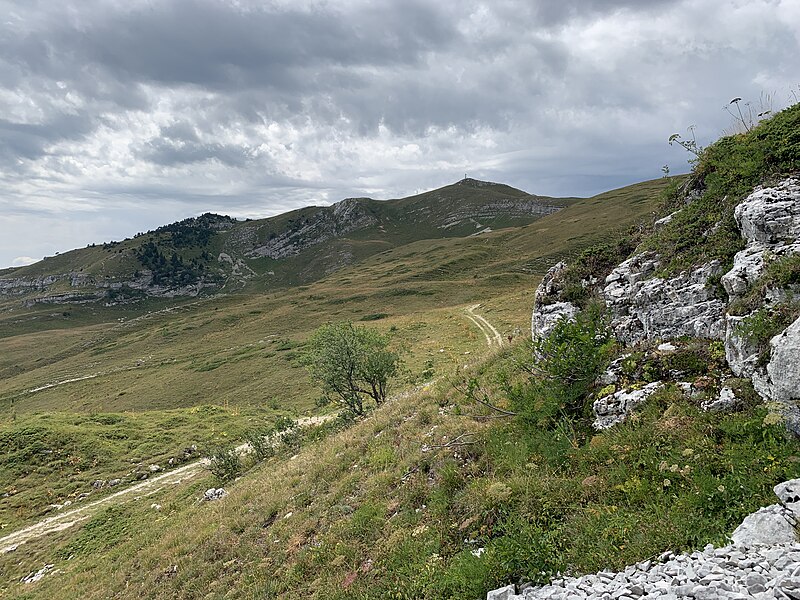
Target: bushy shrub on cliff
point(563, 369)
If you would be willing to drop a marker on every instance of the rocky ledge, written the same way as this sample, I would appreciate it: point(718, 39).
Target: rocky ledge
point(761, 563)
point(646, 308)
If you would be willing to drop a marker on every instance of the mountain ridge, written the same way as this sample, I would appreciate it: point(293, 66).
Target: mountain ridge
point(212, 253)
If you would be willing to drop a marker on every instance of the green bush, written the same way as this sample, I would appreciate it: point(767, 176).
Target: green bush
point(567, 362)
point(226, 464)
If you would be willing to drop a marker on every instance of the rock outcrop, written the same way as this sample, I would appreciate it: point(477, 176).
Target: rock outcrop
point(613, 408)
point(347, 216)
point(644, 306)
point(547, 309)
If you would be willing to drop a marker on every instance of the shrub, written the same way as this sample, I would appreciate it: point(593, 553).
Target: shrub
point(351, 364)
point(226, 463)
point(569, 360)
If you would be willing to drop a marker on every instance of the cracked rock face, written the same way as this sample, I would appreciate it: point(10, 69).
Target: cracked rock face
point(647, 307)
point(614, 408)
point(769, 220)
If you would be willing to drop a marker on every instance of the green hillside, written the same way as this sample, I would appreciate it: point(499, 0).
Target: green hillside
point(391, 507)
point(212, 253)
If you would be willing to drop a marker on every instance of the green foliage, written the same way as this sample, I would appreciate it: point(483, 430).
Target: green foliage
point(124, 293)
point(352, 364)
point(226, 463)
point(724, 174)
point(103, 531)
point(567, 362)
point(173, 270)
point(374, 317)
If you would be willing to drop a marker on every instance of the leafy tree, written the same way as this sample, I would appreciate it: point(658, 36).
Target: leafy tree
point(352, 364)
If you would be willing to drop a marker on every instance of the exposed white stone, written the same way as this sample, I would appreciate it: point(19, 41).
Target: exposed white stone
point(647, 307)
point(612, 409)
point(789, 494)
point(741, 354)
point(770, 525)
point(549, 315)
point(665, 220)
point(547, 311)
point(212, 494)
point(725, 401)
point(771, 215)
point(782, 380)
point(505, 593)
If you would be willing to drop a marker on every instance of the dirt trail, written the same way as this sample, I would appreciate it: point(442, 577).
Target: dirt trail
point(493, 336)
point(68, 518)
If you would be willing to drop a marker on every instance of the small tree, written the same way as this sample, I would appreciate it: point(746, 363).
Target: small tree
point(352, 364)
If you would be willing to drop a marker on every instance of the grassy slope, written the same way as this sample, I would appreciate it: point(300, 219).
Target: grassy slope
point(371, 513)
point(239, 352)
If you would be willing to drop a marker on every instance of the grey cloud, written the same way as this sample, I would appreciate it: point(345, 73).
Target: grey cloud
point(167, 152)
point(30, 141)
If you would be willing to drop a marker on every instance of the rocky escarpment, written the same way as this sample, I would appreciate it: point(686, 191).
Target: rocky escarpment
point(646, 307)
point(342, 218)
point(761, 563)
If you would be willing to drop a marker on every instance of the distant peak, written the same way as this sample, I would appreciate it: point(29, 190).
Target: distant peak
point(475, 183)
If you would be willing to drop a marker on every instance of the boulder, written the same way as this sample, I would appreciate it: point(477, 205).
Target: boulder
point(547, 308)
point(767, 526)
point(212, 494)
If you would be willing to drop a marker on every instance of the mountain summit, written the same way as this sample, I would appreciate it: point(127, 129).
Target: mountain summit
point(210, 253)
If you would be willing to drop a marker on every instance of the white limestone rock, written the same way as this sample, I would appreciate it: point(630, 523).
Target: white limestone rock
point(505, 593)
point(769, 220)
point(212, 494)
point(781, 383)
point(614, 408)
point(647, 307)
point(771, 215)
point(741, 354)
point(770, 525)
point(547, 310)
point(725, 401)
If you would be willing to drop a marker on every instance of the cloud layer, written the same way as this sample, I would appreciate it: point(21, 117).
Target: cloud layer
point(121, 116)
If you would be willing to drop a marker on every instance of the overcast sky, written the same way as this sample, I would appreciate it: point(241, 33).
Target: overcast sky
point(120, 116)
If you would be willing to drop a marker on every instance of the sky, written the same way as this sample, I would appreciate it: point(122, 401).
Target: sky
point(120, 116)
